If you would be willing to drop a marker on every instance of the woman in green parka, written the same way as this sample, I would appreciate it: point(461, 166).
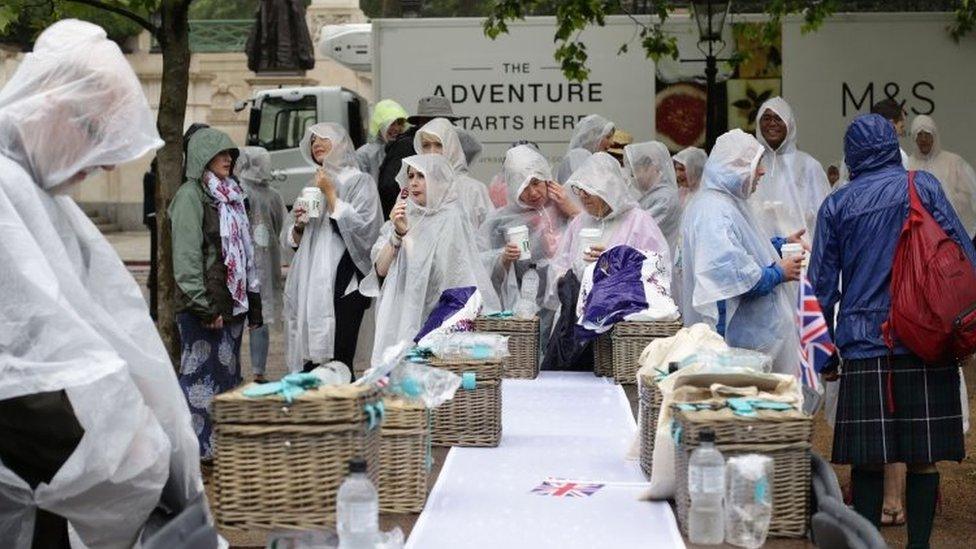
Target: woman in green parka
point(217, 284)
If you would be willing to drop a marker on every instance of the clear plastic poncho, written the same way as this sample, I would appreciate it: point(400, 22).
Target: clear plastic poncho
point(371, 154)
point(438, 252)
point(470, 145)
point(652, 178)
point(693, 159)
point(588, 133)
point(546, 226)
point(795, 184)
point(626, 223)
point(724, 250)
point(471, 193)
point(570, 163)
point(956, 175)
point(267, 215)
point(72, 318)
point(309, 288)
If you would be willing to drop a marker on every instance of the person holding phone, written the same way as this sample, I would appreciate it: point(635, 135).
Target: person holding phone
point(427, 247)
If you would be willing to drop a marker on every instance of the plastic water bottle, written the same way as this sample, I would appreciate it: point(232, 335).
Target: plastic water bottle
point(526, 306)
point(530, 285)
point(706, 486)
point(748, 500)
point(358, 509)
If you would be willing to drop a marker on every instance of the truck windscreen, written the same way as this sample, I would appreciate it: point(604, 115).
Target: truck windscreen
point(280, 124)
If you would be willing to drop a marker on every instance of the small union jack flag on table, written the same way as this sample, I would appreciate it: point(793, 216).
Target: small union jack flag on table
point(816, 347)
point(564, 489)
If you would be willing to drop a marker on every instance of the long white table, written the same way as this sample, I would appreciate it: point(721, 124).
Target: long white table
point(569, 426)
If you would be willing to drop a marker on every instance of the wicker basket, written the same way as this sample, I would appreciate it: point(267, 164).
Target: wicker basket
point(279, 465)
point(650, 406)
point(786, 442)
point(630, 339)
point(523, 344)
point(603, 355)
point(404, 442)
point(473, 417)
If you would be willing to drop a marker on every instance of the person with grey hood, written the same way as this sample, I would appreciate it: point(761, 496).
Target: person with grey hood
point(267, 215)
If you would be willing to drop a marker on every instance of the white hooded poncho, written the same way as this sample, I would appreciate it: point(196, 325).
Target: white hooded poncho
point(795, 184)
point(438, 252)
point(522, 164)
point(956, 175)
point(693, 159)
point(626, 223)
point(588, 133)
point(310, 287)
point(472, 194)
point(72, 318)
point(652, 178)
point(267, 215)
point(724, 252)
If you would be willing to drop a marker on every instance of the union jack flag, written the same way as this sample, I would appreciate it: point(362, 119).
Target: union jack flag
point(559, 489)
point(816, 347)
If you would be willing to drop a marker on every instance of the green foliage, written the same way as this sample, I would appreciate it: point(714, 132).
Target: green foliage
point(572, 16)
point(22, 20)
point(965, 20)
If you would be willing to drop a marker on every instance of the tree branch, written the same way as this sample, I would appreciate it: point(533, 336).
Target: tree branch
point(119, 10)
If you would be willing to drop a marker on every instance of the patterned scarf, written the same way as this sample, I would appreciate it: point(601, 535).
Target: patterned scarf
point(235, 239)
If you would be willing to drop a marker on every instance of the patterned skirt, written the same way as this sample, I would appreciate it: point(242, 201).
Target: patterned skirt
point(209, 365)
point(898, 410)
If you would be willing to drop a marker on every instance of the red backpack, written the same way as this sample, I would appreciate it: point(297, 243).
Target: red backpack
point(933, 290)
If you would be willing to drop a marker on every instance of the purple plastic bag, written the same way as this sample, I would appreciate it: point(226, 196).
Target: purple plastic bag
point(618, 290)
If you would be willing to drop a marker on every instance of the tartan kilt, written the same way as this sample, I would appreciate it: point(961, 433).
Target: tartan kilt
point(898, 410)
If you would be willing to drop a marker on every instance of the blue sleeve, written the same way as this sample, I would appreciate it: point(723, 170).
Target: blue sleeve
point(935, 201)
point(720, 326)
point(772, 276)
point(778, 242)
point(825, 264)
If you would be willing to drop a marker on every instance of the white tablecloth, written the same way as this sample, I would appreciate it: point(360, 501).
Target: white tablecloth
point(562, 425)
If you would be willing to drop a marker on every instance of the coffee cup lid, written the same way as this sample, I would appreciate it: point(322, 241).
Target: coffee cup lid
point(519, 229)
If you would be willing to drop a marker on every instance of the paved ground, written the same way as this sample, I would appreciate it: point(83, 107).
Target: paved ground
point(955, 522)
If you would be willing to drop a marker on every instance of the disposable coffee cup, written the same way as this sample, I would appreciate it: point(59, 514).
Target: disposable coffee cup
point(520, 237)
point(312, 198)
point(589, 238)
point(793, 249)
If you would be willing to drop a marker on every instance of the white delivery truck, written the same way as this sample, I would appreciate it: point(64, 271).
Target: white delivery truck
point(503, 90)
point(279, 118)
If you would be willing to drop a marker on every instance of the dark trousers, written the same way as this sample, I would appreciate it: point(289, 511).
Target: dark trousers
point(349, 311)
point(38, 433)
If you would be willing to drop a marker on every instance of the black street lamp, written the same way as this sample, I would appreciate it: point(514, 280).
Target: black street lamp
point(710, 18)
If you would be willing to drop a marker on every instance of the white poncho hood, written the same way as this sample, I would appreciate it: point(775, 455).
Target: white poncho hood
point(438, 252)
point(652, 178)
point(795, 184)
point(956, 175)
point(626, 224)
point(724, 251)
point(693, 159)
point(72, 318)
point(588, 133)
point(471, 193)
point(523, 163)
point(310, 287)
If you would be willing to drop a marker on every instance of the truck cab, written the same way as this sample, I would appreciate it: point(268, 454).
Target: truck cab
point(280, 117)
